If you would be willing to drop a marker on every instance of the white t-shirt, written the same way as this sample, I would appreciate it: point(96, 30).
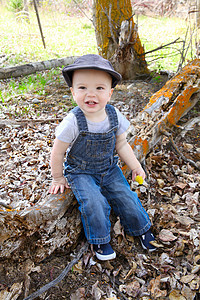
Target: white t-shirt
point(67, 131)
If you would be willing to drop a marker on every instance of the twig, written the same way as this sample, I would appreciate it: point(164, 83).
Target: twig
point(185, 50)
point(166, 133)
point(83, 12)
point(110, 24)
point(5, 205)
point(182, 156)
point(4, 123)
point(61, 276)
point(116, 287)
point(189, 125)
point(161, 47)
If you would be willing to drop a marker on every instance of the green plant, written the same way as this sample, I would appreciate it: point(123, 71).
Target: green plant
point(73, 102)
point(15, 5)
point(2, 99)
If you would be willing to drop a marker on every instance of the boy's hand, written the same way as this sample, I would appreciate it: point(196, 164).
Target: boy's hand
point(58, 184)
point(138, 171)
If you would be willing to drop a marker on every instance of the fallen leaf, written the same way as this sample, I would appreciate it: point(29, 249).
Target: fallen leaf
point(188, 293)
point(79, 294)
point(12, 293)
point(133, 288)
point(175, 295)
point(194, 284)
point(166, 236)
point(164, 258)
point(161, 182)
point(96, 291)
point(154, 288)
point(118, 229)
point(187, 278)
point(78, 267)
point(184, 220)
point(181, 185)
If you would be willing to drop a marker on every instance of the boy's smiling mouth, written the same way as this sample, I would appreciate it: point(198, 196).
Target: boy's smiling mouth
point(91, 102)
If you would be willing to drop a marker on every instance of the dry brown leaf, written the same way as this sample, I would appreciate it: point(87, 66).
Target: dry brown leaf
point(154, 288)
point(194, 284)
point(133, 288)
point(175, 295)
point(181, 185)
point(78, 267)
point(167, 191)
point(79, 294)
point(195, 269)
point(176, 199)
point(167, 236)
point(96, 291)
point(188, 293)
point(187, 278)
point(118, 229)
point(12, 293)
point(184, 220)
point(156, 244)
point(161, 182)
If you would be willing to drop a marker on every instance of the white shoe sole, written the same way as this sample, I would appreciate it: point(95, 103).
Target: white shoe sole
point(105, 257)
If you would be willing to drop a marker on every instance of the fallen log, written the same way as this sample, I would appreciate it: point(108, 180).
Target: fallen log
point(165, 109)
point(55, 223)
point(27, 69)
point(41, 229)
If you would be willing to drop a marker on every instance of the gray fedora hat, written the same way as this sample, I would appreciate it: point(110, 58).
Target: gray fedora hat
point(91, 61)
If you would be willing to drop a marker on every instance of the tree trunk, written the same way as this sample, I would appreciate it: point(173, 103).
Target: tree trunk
point(198, 14)
point(117, 37)
point(38, 231)
point(34, 67)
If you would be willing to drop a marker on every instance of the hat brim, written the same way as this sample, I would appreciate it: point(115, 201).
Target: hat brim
point(68, 72)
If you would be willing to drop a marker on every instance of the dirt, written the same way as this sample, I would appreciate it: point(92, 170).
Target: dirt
point(135, 273)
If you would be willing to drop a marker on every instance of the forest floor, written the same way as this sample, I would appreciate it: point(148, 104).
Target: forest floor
point(170, 196)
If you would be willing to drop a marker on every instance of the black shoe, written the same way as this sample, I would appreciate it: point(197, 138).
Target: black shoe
point(145, 240)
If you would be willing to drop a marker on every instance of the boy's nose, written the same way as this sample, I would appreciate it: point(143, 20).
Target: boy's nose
point(90, 92)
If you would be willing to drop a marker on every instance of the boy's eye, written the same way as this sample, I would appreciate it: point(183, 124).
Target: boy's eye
point(100, 88)
point(82, 87)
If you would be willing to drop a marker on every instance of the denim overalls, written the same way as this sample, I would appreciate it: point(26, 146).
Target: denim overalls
point(97, 182)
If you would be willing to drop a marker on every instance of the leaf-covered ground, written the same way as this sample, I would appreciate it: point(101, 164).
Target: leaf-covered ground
point(170, 195)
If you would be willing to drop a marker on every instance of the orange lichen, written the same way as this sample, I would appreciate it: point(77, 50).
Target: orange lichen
point(171, 88)
point(181, 105)
point(143, 143)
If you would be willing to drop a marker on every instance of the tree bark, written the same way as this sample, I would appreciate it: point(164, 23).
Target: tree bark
point(165, 109)
point(198, 14)
point(38, 231)
point(117, 37)
point(34, 67)
point(41, 229)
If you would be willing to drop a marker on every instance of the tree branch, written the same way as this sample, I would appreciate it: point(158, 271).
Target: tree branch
point(61, 276)
point(161, 47)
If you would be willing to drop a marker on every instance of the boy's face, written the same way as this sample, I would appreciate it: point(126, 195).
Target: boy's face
point(91, 89)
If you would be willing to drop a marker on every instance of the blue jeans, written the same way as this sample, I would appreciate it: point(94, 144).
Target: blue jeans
point(97, 193)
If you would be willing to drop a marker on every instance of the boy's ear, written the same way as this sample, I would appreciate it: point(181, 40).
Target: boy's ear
point(111, 92)
point(72, 91)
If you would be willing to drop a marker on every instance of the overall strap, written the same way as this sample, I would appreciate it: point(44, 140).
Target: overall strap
point(81, 120)
point(112, 115)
